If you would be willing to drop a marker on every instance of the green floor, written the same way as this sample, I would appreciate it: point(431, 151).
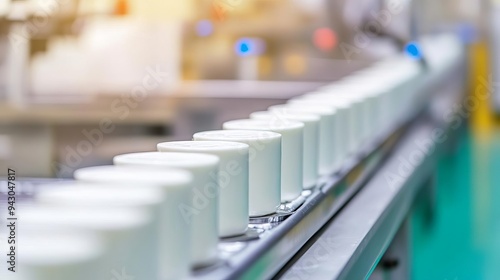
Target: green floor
point(462, 240)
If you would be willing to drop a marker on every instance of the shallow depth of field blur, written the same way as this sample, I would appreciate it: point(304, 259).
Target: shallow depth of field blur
point(84, 80)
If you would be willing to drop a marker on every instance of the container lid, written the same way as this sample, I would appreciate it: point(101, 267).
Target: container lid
point(203, 146)
point(283, 114)
point(313, 108)
point(134, 175)
point(98, 194)
point(159, 159)
point(237, 135)
point(275, 125)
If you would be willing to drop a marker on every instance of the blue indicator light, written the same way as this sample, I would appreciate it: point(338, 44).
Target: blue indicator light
point(249, 46)
point(413, 50)
point(244, 47)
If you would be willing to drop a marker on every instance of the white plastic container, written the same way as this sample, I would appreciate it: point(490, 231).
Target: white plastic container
point(346, 118)
point(233, 180)
point(354, 108)
point(176, 186)
point(126, 232)
point(360, 105)
point(103, 197)
point(367, 90)
point(53, 255)
point(292, 146)
point(329, 137)
point(311, 140)
point(202, 211)
point(264, 165)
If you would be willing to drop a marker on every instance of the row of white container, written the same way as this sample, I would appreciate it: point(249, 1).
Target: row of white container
point(158, 215)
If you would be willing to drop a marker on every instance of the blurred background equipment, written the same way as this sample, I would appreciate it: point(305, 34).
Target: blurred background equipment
point(67, 65)
point(82, 81)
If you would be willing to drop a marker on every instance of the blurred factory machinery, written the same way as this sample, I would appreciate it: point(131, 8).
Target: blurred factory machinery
point(68, 64)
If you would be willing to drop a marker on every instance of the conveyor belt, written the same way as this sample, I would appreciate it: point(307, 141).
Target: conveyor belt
point(276, 239)
point(263, 258)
